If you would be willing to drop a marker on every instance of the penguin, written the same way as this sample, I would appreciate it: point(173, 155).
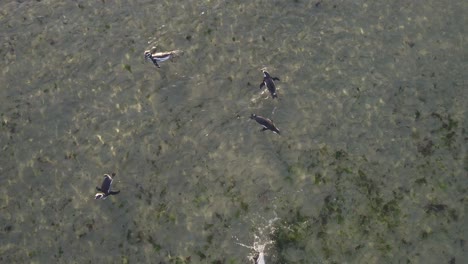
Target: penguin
point(266, 123)
point(156, 57)
point(259, 258)
point(268, 81)
point(105, 189)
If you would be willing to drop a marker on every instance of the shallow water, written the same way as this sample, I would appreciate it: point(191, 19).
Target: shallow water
point(371, 165)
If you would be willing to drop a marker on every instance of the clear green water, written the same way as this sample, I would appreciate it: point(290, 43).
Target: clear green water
point(371, 166)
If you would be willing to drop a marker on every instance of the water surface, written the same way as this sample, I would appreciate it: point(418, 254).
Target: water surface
point(371, 165)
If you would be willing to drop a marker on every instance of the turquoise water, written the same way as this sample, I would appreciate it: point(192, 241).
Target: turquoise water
point(370, 167)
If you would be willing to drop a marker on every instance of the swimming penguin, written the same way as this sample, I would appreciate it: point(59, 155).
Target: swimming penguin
point(105, 189)
point(266, 123)
point(156, 57)
point(268, 81)
point(259, 258)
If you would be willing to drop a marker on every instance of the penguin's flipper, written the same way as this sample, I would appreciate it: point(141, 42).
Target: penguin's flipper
point(155, 62)
point(276, 78)
point(262, 85)
point(98, 189)
point(263, 129)
point(113, 192)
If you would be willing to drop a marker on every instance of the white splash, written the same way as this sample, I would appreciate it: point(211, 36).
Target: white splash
point(261, 240)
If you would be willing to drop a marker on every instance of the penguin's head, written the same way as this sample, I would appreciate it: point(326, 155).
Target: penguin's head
point(252, 116)
point(99, 195)
point(147, 55)
point(255, 257)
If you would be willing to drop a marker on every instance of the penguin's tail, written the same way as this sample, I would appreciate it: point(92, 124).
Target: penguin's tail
point(177, 53)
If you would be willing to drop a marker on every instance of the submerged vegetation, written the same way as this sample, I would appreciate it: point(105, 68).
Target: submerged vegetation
point(369, 208)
